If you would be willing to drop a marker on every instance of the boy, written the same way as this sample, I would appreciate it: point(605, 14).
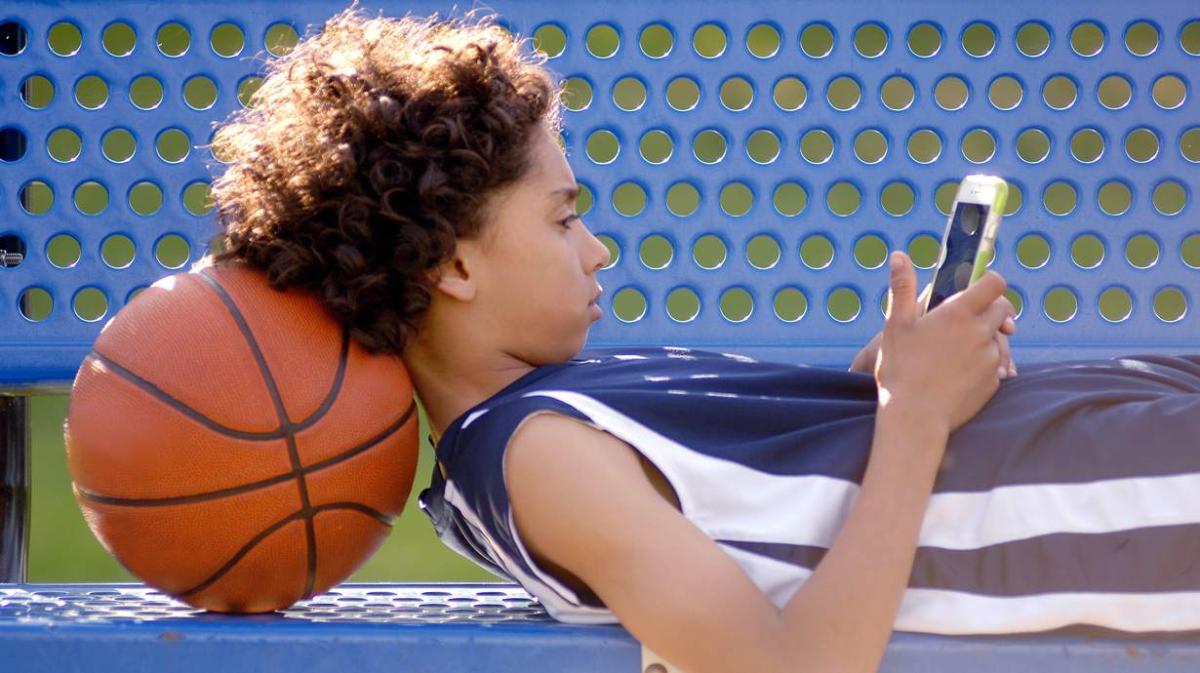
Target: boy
point(732, 514)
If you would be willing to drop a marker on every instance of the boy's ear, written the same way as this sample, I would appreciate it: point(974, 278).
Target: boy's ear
point(453, 278)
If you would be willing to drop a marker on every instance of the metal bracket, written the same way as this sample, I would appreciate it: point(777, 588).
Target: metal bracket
point(14, 487)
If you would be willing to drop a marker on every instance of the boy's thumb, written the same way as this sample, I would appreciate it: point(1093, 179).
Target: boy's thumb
point(902, 303)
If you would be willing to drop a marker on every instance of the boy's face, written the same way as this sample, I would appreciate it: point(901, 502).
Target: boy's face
point(532, 279)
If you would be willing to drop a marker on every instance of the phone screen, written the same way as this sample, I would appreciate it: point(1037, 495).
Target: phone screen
point(966, 232)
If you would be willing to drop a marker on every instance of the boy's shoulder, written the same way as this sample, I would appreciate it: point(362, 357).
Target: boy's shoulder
point(535, 447)
point(560, 499)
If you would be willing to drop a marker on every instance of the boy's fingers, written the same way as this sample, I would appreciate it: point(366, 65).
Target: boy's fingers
point(996, 314)
point(980, 295)
point(902, 304)
point(1005, 356)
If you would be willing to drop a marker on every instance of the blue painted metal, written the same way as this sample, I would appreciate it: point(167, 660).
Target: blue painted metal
point(447, 628)
point(52, 349)
point(40, 631)
point(370, 627)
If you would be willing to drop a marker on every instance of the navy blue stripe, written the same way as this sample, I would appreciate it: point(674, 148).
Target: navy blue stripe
point(1063, 422)
point(1082, 423)
point(1143, 560)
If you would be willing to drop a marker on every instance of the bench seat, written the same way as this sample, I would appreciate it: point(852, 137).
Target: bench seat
point(447, 628)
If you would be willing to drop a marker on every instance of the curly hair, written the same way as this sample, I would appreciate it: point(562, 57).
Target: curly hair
point(369, 150)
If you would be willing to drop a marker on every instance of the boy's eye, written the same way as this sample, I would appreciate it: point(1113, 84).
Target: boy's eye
point(567, 222)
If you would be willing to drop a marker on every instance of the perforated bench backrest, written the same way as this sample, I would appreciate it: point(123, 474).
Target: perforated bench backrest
point(749, 164)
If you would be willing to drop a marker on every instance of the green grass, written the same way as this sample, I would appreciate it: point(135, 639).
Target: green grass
point(63, 549)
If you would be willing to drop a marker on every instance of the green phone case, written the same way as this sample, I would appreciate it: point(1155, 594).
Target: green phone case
point(985, 246)
point(988, 243)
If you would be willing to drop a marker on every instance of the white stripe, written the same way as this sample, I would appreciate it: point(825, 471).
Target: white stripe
point(471, 418)
point(728, 500)
point(958, 613)
point(1007, 513)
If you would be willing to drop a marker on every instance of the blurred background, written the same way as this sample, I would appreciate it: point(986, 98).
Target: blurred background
point(63, 549)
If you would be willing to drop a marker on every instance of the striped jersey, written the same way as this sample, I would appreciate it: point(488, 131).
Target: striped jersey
point(1072, 497)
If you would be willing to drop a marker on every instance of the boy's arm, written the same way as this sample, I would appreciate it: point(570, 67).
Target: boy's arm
point(581, 500)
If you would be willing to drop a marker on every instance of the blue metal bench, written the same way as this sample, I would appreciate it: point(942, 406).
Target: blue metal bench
point(750, 165)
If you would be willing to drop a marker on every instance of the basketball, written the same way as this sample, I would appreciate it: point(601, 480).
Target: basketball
point(231, 445)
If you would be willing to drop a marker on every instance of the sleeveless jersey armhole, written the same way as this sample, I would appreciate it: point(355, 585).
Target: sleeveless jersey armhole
point(544, 575)
point(660, 450)
point(483, 500)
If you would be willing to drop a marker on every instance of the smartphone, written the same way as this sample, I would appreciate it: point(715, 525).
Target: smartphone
point(969, 240)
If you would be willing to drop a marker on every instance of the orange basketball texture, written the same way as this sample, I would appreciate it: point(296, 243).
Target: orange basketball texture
point(233, 447)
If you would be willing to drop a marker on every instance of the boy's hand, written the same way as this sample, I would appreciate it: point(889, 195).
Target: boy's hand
point(865, 360)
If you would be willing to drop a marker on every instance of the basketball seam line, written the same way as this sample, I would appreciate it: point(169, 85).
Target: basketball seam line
point(278, 433)
point(307, 513)
point(246, 488)
point(284, 421)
